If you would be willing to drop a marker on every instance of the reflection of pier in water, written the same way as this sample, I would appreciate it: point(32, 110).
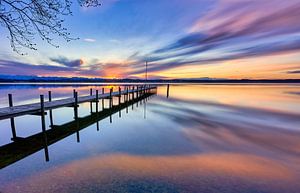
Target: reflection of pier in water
point(23, 147)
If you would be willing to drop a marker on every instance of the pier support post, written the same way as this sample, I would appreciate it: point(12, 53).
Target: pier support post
point(44, 127)
point(102, 99)
point(97, 108)
point(120, 100)
point(76, 115)
point(91, 103)
point(97, 101)
point(127, 100)
point(50, 111)
point(12, 120)
point(110, 104)
point(110, 98)
point(119, 95)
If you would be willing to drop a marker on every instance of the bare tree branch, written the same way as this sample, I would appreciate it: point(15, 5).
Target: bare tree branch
point(26, 19)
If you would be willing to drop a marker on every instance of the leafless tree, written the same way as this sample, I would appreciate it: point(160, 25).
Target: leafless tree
point(26, 19)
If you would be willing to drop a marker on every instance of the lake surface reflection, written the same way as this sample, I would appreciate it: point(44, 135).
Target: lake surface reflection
point(203, 138)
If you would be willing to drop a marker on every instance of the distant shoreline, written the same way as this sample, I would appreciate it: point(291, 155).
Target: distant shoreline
point(126, 81)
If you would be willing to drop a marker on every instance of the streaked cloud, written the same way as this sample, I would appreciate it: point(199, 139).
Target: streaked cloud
point(233, 30)
point(67, 62)
point(66, 68)
point(294, 72)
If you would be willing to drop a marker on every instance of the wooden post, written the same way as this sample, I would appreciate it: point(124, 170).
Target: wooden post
point(91, 103)
point(145, 109)
point(97, 98)
point(127, 100)
point(127, 94)
point(12, 120)
point(50, 111)
point(102, 99)
point(120, 100)
point(76, 115)
point(42, 113)
point(119, 95)
point(75, 105)
point(110, 98)
point(97, 108)
point(110, 104)
point(133, 96)
point(168, 89)
point(133, 92)
point(44, 127)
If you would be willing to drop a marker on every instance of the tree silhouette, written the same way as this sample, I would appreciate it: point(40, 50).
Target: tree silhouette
point(25, 19)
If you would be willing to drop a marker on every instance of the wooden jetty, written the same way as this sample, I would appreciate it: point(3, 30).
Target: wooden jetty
point(19, 149)
point(42, 107)
point(35, 108)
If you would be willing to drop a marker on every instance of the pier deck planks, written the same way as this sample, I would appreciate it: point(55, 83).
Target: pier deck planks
point(9, 112)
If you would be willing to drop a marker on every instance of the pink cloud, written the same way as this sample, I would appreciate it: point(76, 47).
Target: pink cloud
point(253, 17)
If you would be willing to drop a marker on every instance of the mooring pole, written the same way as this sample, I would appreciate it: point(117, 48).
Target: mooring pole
point(50, 111)
point(12, 120)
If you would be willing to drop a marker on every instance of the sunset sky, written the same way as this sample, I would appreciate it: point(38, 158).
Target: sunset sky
point(179, 39)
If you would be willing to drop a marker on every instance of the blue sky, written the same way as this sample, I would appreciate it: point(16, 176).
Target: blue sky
point(179, 39)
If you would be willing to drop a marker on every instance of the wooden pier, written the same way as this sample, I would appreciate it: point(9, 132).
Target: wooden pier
point(41, 108)
point(23, 147)
point(35, 108)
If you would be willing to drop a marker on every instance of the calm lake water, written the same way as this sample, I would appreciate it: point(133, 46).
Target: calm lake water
point(203, 138)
